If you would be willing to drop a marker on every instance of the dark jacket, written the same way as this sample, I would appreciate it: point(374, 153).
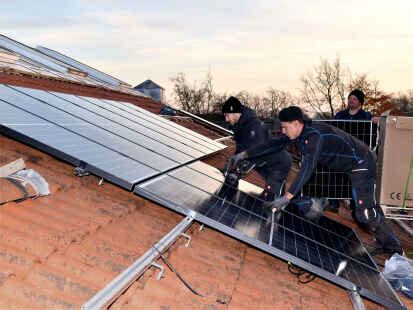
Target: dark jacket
point(248, 131)
point(322, 144)
point(360, 115)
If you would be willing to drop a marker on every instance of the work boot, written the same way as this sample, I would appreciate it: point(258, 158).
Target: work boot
point(386, 241)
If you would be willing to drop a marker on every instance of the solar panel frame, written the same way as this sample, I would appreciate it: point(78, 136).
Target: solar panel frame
point(146, 189)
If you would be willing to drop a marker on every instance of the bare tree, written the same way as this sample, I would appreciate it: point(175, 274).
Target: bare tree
point(209, 94)
point(276, 100)
point(182, 92)
point(324, 86)
point(370, 88)
point(190, 97)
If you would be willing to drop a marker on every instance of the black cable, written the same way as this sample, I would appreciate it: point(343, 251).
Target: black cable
point(166, 261)
point(301, 273)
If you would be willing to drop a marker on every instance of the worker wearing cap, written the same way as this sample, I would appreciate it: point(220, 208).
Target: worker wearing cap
point(249, 131)
point(354, 110)
point(326, 145)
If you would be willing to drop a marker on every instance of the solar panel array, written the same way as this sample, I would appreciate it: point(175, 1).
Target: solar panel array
point(115, 140)
point(320, 247)
point(49, 63)
point(332, 184)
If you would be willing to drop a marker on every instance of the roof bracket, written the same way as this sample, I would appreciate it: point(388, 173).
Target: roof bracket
point(188, 239)
point(161, 270)
point(81, 172)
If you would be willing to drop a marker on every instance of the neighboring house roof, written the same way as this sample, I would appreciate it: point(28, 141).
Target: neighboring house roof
point(148, 84)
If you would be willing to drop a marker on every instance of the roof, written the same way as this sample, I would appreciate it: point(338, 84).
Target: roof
point(148, 84)
point(58, 251)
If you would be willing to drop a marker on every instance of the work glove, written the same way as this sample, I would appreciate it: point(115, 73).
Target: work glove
point(235, 160)
point(278, 204)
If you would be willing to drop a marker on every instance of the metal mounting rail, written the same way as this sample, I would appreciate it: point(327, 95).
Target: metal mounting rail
point(106, 296)
point(207, 123)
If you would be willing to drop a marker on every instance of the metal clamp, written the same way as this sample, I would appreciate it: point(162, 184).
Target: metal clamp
point(356, 300)
point(188, 239)
point(161, 270)
point(81, 172)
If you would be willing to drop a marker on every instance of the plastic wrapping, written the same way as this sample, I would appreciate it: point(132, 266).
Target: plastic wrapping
point(398, 270)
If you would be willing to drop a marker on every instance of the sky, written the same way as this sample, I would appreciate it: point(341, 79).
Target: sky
point(245, 45)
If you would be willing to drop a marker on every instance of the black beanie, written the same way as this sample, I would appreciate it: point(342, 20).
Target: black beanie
point(232, 105)
point(358, 94)
point(290, 114)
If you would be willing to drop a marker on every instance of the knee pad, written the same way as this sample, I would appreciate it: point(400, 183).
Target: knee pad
point(369, 218)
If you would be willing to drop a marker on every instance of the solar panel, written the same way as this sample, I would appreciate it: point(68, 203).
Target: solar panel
point(157, 124)
point(120, 150)
point(335, 184)
point(167, 125)
point(198, 190)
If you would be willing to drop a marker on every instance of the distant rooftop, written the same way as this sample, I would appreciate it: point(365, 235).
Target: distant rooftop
point(148, 84)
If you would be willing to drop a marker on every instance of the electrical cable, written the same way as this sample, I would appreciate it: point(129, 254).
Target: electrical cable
point(301, 273)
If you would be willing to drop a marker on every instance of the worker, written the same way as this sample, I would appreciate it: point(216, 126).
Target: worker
point(354, 111)
point(249, 131)
point(328, 146)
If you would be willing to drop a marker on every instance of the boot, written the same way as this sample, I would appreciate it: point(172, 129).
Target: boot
point(386, 241)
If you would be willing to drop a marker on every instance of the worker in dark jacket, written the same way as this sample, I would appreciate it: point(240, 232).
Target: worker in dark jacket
point(354, 110)
point(333, 148)
point(249, 131)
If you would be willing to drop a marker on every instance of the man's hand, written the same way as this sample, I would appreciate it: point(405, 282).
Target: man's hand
point(278, 203)
point(234, 160)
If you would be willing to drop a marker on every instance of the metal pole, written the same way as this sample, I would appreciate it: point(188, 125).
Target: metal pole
point(106, 296)
point(356, 300)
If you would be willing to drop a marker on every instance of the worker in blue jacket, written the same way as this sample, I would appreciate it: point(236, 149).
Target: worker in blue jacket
point(333, 148)
point(249, 131)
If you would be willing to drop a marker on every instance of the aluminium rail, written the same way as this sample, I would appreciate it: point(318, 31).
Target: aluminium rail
point(106, 296)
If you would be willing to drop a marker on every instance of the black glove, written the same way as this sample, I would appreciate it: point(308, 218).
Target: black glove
point(234, 161)
point(278, 203)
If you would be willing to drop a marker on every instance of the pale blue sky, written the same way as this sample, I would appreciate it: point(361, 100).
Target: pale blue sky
point(247, 45)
